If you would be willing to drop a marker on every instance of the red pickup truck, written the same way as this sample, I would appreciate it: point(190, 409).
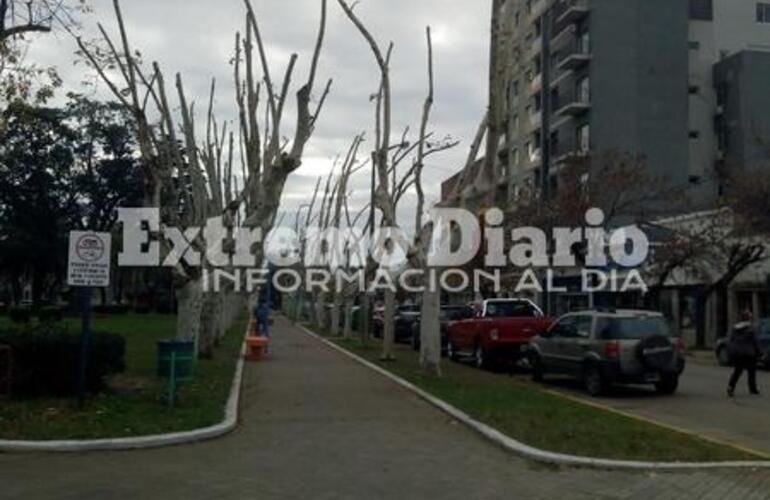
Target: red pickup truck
point(498, 332)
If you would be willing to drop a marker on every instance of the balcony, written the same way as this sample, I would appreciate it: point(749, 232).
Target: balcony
point(571, 11)
point(562, 77)
point(574, 57)
point(535, 120)
point(537, 46)
point(568, 33)
point(572, 105)
point(567, 153)
point(536, 83)
point(535, 156)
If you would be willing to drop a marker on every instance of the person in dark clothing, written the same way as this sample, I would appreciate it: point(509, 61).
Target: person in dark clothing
point(744, 350)
point(263, 318)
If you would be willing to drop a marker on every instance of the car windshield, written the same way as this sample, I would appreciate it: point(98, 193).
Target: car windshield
point(634, 328)
point(513, 309)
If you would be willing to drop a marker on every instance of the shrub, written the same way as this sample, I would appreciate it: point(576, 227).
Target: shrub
point(142, 309)
point(50, 314)
point(45, 361)
point(20, 314)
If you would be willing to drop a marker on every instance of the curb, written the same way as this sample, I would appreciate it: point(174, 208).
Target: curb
point(530, 452)
point(226, 426)
point(598, 405)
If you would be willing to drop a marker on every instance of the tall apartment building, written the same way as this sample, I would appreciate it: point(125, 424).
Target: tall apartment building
point(676, 81)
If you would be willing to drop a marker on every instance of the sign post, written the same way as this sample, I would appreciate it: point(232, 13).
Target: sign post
point(88, 268)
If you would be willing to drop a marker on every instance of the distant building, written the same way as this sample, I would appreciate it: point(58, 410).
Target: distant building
point(680, 82)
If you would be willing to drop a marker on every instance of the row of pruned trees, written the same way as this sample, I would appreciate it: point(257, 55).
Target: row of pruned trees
point(192, 176)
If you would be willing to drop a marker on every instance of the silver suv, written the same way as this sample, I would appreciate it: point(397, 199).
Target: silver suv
point(606, 347)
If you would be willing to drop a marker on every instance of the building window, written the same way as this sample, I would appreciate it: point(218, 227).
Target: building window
point(583, 90)
point(515, 124)
point(555, 143)
point(702, 10)
point(694, 45)
point(763, 13)
point(584, 138)
point(694, 134)
point(584, 42)
point(515, 157)
point(693, 89)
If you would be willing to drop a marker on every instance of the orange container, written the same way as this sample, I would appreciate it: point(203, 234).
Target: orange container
point(255, 348)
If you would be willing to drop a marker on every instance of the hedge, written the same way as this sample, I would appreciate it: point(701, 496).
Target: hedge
point(50, 314)
point(45, 361)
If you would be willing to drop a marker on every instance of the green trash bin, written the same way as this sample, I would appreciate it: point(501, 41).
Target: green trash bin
point(175, 363)
point(182, 354)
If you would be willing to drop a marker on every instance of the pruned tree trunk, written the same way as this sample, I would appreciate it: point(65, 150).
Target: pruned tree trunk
point(190, 302)
point(388, 327)
point(430, 332)
point(347, 331)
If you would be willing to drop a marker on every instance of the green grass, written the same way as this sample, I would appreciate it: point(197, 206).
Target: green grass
point(135, 403)
point(531, 415)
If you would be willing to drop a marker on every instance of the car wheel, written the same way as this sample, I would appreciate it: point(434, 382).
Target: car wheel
point(480, 357)
point(723, 357)
point(667, 385)
point(451, 351)
point(538, 370)
point(593, 381)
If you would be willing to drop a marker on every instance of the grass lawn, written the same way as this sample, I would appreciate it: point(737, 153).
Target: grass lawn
point(529, 414)
point(135, 403)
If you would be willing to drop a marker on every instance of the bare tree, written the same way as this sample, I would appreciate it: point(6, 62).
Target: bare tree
point(392, 185)
point(21, 17)
point(186, 182)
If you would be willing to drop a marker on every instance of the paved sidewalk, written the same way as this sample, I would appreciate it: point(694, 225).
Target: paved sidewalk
point(316, 425)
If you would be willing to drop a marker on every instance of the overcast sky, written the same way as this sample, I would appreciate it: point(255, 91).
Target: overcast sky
point(196, 38)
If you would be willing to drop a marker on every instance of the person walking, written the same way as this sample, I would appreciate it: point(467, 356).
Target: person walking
point(744, 350)
point(263, 318)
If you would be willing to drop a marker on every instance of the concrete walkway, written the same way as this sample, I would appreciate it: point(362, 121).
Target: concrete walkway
point(318, 426)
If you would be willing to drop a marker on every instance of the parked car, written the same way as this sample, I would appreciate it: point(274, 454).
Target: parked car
point(498, 332)
point(447, 314)
point(602, 348)
point(405, 315)
point(763, 332)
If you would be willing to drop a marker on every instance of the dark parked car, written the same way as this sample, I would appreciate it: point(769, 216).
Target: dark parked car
point(405, 315)
point(763, 332)
point(602, 348)
point(447, 314)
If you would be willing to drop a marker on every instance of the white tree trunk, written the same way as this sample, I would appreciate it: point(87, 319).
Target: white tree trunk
point(335, 315)
point(347, 332)
point(320, 311)
point(190, 301)
point(430, 332)
point(210, 324)
point(388, 327)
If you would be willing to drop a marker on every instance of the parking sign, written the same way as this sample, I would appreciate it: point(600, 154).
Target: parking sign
point(89, 259)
